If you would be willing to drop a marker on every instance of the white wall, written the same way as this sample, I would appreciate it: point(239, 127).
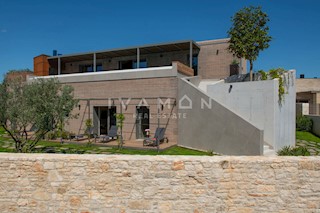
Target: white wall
point(258, 102)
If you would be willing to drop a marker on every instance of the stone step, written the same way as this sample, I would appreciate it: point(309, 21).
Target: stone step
point(268, 151)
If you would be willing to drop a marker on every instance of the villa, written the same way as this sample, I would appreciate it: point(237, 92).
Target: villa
point(178, 86)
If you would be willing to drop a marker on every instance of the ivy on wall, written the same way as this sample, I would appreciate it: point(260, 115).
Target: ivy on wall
point(283, 81)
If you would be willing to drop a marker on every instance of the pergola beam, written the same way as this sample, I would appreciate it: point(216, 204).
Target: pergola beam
point(94, 62)
point(59, 66)
point(138, 58)
point(190, 54)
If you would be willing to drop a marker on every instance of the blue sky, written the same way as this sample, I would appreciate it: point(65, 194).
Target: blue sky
point(30, 28)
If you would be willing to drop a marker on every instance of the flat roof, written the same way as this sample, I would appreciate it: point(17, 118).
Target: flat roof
point(130, 51)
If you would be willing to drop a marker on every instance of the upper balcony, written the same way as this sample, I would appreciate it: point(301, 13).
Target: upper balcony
point(177, 69)
point(148, 56)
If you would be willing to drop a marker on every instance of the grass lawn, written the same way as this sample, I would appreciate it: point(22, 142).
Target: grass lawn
point(307, 136)
point(7, 145)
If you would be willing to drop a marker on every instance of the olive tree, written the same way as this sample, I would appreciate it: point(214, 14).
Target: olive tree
point(249, 34)
point(30, 110)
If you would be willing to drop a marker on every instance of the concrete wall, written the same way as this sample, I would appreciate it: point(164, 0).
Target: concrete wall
point(216, 128)
point(155, 72)
point(99, 183)
point(258, 102)
point(315, 124)
point(215, 59)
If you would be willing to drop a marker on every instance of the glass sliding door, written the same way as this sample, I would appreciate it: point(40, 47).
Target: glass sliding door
point(142, 121)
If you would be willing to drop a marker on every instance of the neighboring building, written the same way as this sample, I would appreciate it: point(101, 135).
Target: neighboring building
point(18, 75)
point(308, 96)
point(157, 86)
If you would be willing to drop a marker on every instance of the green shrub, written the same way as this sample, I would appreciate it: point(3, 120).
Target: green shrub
point(264, 75)
point(65, 135)
point(293, 151)
point(304, 123)
point(52, 135)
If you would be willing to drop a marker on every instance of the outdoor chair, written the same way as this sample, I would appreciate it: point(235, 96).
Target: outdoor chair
point(157, 139)
point(113, 133)
point(79, 137)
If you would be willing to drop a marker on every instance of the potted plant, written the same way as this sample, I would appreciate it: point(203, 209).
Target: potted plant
point(234, 67)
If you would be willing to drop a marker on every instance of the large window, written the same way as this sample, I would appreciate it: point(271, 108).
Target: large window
point(86, 68)
point(89, 67)
point(142, 121)
point(99, 67)
point(132, 64)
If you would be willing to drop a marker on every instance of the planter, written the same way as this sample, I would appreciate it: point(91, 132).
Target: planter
point(234, 69)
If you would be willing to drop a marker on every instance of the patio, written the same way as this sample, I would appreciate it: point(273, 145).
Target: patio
point(131, 144)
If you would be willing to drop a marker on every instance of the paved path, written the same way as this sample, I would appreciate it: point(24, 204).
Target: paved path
point(313, 147)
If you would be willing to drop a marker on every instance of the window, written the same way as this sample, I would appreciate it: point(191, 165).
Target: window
point(99, 67)
point(142, 64)
point(142, 121)
point(123, 65)
point(132, 64)
point(89, 68)
point(86, 68)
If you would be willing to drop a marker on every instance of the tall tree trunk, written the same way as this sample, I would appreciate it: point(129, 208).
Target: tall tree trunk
point(251, 70)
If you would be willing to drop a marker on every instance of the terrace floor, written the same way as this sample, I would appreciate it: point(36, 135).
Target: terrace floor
point(133, 144)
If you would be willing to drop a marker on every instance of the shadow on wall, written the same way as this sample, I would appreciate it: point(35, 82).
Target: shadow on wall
point(213, 127)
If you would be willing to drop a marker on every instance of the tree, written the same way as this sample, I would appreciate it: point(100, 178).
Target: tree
point(120, 119)
point(30, 110)
point(249, 34)
point(89, 127)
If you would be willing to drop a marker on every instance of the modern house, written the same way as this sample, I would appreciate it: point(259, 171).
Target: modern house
point(166, 85)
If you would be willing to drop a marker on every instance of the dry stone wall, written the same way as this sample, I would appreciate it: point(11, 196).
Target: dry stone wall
point(114, 183)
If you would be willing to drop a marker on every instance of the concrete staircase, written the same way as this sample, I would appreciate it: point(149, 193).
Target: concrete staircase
point(204, 83)
point(268, 151)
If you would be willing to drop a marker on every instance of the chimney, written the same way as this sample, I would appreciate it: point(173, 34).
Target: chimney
point(301, 75)
point(41, 65)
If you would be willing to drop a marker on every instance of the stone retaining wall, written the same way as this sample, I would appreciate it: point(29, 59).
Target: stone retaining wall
point(100, 183)
point(315, 124)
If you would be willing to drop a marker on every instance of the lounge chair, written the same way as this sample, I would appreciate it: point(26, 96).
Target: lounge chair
point(81, 137)
point(113, 132)
point(157, 139)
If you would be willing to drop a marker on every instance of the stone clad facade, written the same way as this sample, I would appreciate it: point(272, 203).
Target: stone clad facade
point(215, 59)
point(148, 89)
point(99, 183)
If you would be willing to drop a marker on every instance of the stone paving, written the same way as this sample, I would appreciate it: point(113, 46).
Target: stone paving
point(313, 147)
